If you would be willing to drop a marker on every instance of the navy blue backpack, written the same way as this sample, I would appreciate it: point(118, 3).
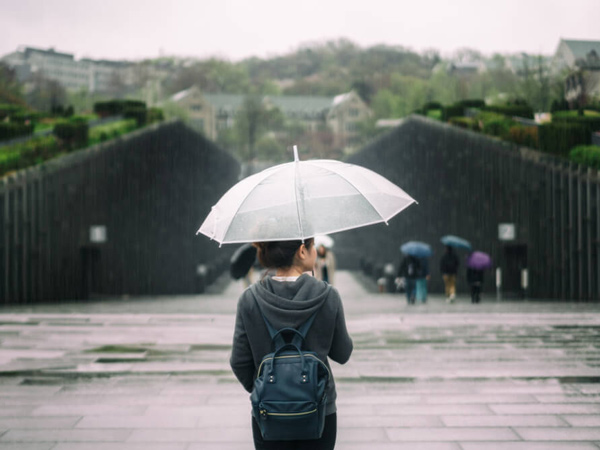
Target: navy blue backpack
point(288, 398)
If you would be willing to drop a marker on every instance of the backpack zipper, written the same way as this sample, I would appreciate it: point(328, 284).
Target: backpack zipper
point(291, 356)
point(264, 413)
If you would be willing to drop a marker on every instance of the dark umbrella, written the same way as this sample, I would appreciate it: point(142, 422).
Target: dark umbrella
point(479, 261)
point(242, 260)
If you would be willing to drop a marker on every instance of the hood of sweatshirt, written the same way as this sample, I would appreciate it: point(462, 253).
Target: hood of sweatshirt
point(290, 303)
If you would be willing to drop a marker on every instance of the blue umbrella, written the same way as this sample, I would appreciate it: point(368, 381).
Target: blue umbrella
point(455, 241)
point(416, 248)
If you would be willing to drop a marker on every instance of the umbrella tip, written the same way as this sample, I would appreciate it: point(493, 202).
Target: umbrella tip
point(296, 154)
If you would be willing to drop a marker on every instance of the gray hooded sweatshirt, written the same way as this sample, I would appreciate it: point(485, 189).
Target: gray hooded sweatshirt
point(289, 304)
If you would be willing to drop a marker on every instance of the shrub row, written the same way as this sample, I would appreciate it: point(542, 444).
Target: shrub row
point(511, 110)
point(20, 156)
point(72, 133)
point(523, 135)
point(465, 122)
point(559, 137)
point(116, 107)
point(113, 130)
point(11, 130)
point(452, 111)
point(588, 155)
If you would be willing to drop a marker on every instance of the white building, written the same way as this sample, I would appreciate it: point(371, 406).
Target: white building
point(72, 74)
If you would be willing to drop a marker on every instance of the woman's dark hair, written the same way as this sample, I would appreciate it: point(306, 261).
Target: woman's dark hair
point(279, 253)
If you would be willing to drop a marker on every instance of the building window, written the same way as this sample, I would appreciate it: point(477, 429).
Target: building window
point(353, 112)
point(351, 126)
point(196, 107)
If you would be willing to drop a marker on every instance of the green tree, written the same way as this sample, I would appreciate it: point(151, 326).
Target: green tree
point(46, 95)
point(11, 90)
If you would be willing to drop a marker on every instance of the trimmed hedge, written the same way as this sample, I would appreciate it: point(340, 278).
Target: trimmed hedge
point(7, 110)
point(116, 107)
point(73, 133)
point(559, 138)
point(587, 155)
point(138, 113)
point(472, 103)
point(113, 130)
point(23, 155)
point(589, 123)
point(11, 130)
point(155, 115)
point(452, 111)
point(499, 127)
point(525, 136)
point(465, 122)
point(511, 110)
point(432, 105)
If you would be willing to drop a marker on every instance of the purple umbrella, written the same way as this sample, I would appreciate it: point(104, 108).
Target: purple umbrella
point(479, 261)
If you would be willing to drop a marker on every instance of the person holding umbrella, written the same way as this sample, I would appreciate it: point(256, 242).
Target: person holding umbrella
point(409, 269)
point(477, 262)
point(422, 252)
point(325, 265)
point(449, 263)
point(449, 268)
point(280, 210)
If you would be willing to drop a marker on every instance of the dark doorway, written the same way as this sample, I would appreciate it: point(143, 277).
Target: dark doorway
point(515, 260)
point(90, 271)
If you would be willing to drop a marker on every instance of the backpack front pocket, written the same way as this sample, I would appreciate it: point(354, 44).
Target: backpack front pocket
point(289, 420)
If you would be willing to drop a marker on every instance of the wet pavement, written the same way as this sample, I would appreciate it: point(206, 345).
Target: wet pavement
point(152, 373)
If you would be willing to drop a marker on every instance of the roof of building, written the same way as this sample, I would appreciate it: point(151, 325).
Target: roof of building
point(50, 51)
point(225, 101)
point(300, 104)
point(582, 48)
point(288, 104)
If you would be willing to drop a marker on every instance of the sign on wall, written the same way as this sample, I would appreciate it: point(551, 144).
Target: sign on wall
point(507, 231)
point(98, 234)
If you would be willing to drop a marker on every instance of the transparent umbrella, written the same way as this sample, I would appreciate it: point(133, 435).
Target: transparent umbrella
point(303, 199)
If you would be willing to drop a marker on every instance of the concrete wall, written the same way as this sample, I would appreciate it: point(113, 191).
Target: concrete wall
point(151, 190)
point(467, 184)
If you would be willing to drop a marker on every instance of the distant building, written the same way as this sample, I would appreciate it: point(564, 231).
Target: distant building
point(209, 113)
point(340, 115)
point(571, 52)
point(466, 68)
point(72, 74)
point(581, 61)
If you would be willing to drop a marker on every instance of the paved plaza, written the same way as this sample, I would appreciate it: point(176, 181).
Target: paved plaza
point(152, 373)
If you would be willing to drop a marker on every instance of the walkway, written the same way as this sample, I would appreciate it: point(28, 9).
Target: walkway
point(152, 373)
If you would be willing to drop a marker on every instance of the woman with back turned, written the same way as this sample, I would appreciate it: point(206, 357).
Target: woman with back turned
point(288, 299)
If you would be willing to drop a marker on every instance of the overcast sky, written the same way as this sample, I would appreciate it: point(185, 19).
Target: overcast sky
point(235, 29)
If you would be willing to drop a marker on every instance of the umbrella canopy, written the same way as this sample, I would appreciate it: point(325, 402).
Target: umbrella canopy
point(324, 240)
point(455, 241)
point(241, 261)
point(302, 199)
point(416, 248)
point(479, 261)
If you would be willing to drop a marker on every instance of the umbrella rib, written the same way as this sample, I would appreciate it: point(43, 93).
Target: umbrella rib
point(296, 170)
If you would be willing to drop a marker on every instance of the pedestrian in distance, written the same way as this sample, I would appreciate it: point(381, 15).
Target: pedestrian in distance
point(421, 292)
point(409, 269)
point(449, 268)
point(475, 280)
point(325, 265)
point(288, 299)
